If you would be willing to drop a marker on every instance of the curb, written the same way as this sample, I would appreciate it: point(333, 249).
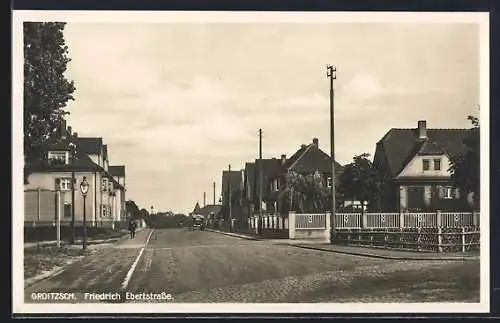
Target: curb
point(79, 242)
point(234, 235)
point(369, 255)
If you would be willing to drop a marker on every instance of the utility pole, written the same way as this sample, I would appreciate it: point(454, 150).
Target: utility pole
point(204, 199)
point(229, 199)
point(332, 75)
point(214, 193)
point(260, 174)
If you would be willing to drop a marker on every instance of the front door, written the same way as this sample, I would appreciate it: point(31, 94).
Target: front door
point(416, 202)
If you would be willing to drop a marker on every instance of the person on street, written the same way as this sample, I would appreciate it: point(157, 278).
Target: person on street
point(131, 227)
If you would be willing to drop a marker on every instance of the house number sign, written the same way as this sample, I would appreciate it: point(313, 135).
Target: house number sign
point(310, 219)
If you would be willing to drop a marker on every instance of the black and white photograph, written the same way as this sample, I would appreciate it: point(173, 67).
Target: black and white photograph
point(314, 162)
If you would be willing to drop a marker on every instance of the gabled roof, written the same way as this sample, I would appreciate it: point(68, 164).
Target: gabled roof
point(196, 208)
point(310, 158)
point(117, 170)
point(401, 145)
point(90, 145)
point(81, 162)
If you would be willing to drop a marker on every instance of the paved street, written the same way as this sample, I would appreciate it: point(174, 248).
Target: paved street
point(196, 266)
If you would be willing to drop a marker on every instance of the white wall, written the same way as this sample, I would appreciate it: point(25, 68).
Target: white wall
point(415, 168)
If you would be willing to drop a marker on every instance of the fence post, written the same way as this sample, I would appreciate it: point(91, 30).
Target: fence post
point(463, 239)
point(475, 218)
point(364, 220)
point(438, 218)
point(440, 239)
point(328, 229)
point(401, 219)
point(291, 225)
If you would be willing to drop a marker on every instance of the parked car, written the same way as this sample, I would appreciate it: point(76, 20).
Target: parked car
point(198, 223)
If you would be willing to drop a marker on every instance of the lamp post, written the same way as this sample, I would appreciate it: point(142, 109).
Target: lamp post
point(84, 188)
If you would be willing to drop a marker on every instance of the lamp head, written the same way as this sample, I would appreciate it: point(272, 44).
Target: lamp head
point(84, 186)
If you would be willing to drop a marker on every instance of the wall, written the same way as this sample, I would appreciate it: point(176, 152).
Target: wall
point(309, 234)
point(425, 198)
point(47, 181)
point(414, 167)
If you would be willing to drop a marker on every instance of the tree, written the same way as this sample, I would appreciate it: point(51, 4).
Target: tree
point(305, 193)
point(132, 209)
point(464, 167)
point(358, 181)
point(46, 89)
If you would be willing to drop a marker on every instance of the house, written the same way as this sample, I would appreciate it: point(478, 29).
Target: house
point(307, 160)
point(270, 168)
point(412, 167)
point(118, 175)
point(66, 162)
point(232, 186)
point(107, 200)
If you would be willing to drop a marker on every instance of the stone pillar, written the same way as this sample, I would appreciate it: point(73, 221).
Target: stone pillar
point(328, 230)
point(427, 195)
point(291, 225)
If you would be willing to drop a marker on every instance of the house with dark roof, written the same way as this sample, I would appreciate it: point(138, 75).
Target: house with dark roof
point(308, 160)
point(66, 162)
point(412, 166)
point(232, 187)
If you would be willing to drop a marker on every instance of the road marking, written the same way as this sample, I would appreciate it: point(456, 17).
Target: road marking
point(134, 264)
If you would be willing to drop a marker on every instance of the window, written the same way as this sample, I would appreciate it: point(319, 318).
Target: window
point(425, 164)
point(104, 210)
point(329, 181)
point(64, 184)
point(437, 164)
point(104, 184)
point(67, 210)
point(447, 192)
point(58, 157)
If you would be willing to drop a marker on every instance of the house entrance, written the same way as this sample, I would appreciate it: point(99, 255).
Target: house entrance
point(416, 201)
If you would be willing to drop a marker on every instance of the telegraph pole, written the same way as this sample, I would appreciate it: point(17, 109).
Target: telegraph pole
point(332, 75)
point(214, 192)
point(229, 199)
point(204, 199)
point(260, 174)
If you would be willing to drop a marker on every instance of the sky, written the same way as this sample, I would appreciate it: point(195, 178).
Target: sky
point(177, 103)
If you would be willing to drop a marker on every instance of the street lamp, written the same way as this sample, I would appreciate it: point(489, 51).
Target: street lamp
point(84, 188)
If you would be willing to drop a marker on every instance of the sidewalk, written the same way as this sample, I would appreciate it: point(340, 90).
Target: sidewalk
point(90, 241)
point(364, 251)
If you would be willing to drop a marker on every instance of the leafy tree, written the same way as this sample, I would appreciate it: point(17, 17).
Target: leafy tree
point(306, 193)
point(46, 89)
point(132, 209)
point(464, 167)
point(143, 213)
point(358, 181)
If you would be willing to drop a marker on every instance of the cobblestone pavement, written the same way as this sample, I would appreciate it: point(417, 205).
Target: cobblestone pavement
point(196, 266)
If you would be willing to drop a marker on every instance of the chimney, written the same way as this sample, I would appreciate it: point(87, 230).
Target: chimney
point(315, 142)
point(283, 159)
point(63, 129)
point(302, 146)
point(70, 130)
point(422, 129)
point(75, 134)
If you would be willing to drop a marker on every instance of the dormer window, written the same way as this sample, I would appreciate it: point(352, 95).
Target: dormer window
point(58, 157)
point(437, 164)
point(426, 164)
